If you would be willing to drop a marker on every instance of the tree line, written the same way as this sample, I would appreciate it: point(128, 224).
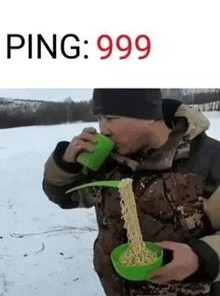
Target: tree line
point(202, 97)
point(47, 113)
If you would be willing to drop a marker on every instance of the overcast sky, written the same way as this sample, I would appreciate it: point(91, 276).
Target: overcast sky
point(47, 94)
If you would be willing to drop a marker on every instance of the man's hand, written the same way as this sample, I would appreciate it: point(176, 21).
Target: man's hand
point(84, 142)
point(185, 262)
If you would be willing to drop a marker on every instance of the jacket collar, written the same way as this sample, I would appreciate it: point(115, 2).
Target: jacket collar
point(158, 159)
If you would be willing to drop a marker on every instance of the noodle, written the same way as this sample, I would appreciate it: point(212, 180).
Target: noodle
point(136, 254)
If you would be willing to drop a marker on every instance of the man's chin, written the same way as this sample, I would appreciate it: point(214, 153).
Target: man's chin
point(124, 151)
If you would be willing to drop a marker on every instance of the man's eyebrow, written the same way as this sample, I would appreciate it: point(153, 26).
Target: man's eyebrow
point(107, 117)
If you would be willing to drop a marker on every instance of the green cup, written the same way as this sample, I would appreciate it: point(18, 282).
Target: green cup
point(93, 160)
point(137, 273)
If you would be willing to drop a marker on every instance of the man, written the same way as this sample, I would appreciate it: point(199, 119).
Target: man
point(163, 147)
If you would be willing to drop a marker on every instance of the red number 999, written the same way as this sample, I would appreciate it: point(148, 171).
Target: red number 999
point(124, 44)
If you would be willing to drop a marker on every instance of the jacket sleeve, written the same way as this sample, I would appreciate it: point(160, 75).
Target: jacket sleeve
point(59, 176)
point(212, 206)
point(208, 247)
point(212, 209)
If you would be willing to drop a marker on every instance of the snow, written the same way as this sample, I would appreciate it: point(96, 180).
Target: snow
point(45, 250)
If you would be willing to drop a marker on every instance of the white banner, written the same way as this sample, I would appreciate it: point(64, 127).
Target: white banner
point(87, 44)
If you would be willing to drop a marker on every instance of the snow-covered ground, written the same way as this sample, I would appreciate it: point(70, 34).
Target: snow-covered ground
point(45, 251)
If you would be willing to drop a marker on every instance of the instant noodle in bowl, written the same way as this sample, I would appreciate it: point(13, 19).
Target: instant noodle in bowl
point(137, 259)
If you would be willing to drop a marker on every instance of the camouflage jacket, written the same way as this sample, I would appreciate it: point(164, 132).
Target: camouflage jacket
point(177, 194)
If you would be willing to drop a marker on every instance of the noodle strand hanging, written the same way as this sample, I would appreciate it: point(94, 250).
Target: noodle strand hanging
point(137, 254)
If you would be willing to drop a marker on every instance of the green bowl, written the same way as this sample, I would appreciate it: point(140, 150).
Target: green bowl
point(137, 273)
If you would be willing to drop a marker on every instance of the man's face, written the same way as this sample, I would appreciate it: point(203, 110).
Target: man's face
point(129, 134)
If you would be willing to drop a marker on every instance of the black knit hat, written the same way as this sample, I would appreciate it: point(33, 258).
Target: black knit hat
point(129, 102)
